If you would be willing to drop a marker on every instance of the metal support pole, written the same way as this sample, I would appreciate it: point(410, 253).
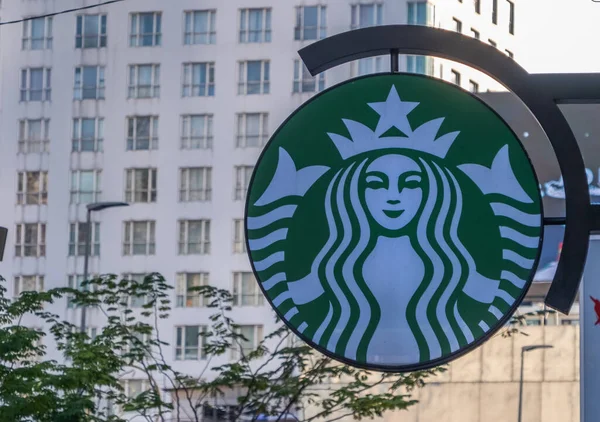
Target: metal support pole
point(521, 386)
point(88, 241)
point(394, 60)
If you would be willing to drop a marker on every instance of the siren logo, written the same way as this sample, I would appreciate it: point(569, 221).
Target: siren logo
point(394, 222)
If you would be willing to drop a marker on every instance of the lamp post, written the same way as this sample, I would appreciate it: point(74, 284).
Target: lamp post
point(95, 206)
point(525, 349)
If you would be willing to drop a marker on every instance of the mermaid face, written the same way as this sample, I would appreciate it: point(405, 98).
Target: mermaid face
point(393, 190)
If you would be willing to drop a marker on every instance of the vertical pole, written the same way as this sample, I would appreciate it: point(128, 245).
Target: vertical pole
point(88, 241)
point(521, 385)
point(394, 60)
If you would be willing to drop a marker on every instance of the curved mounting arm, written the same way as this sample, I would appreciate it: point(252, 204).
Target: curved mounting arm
point(531, 89)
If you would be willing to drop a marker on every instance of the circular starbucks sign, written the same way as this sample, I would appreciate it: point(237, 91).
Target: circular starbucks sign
point(394, 222)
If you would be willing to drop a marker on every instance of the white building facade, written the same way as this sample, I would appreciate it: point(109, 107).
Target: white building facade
point(166, 105)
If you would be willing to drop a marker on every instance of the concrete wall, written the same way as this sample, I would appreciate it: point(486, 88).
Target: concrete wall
point(484, 385)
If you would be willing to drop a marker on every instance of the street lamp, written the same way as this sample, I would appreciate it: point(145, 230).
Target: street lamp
point(523, 350)
point(95, 206)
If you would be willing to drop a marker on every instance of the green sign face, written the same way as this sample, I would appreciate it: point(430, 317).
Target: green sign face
point(394, 222)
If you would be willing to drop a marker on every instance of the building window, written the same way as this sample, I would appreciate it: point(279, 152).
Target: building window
point(473, 86)
point(493, 43)
point(196, 131)
point(195, 184)
point(419, 64)
point(138, 300)
point(255, 25)
point(186, 296)
point(88, 134)
point(368, 66)
point(365, 15)
point(198, 79)
point(32, 188)
point(28, 283)
point(37, 34)
point(511, 17)
point(33, 135)
point(74, 282)
point(134, 387)
point(239, 239)
point(420, 13)
point(36, 84)
point(252, 129)
point(455, 77)
point(509, 54)
point(139, 238)
point(85, 186)
point(89, 83)
point(78, 237)
point(245, 290)
point(495, 12)
point(140, 185)
point(254, 77)
point(311, 23)
point(304, 81)
point(252, 336)
point(190, 342)
point(242, 180)
point(475, 33)
point(144, 81)
point(194, 237)
point(200, 27)
point(30, 240)
point(457, 25)
point(145, 29)
point(91, 31)
point(142, 133)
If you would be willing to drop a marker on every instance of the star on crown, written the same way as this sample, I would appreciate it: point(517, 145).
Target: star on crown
point(393, 114)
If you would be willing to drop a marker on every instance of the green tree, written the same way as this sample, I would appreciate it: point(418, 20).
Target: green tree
point(281, 377)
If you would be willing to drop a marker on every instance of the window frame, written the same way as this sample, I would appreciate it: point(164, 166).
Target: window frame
point(302, 77)
point(135, 194)
point(27, 38)
point(133, 139)
point(21, 235)
point(242, 130)
point(203, 244)
point(511, 17)
point(203, 89)
point(77, 245)
point(26, 89)
point(355, 14)
point(457, 25)
point(76, 192)
point(258, 337)
point(190, 36)
point(136, 36)
point(133, 81)
point(473, 86)
point(37, 196)
point(300, 27)
point(239, 236)
point(263, 83)
point(201, 195)
point(129, 241)
point(243, 174)
point(475, 34)
point(29, 145)
point(180, 343)
point(18, 282)
point(190, 142)
point(375, 64)
point(80, 90)
point(257, 298)
point(77, 135)
point(185, 281)
point(495, 12)
point(456, 77)
point(100, 38)
point(264, 34)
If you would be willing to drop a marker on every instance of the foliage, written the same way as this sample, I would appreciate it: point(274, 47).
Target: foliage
point(281, 377)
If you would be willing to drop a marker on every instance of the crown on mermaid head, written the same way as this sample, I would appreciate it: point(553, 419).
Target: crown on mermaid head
point(393, 113)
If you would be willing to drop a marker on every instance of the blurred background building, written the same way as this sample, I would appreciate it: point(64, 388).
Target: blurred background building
point(166, 106)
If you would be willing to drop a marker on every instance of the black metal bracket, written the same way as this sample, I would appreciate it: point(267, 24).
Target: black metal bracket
point(540, 93)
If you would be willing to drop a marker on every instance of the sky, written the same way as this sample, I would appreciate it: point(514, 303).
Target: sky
point(560, 36)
